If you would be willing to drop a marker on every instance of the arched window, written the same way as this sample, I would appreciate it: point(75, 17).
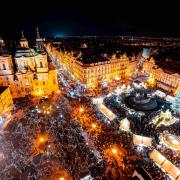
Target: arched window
point(41, 65)
point(4, 67)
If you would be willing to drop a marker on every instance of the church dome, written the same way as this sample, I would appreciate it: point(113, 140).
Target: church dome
point(3, 51)
point(25, 53)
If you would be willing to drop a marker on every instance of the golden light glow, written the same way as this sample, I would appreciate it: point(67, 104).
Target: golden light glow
point(81, 109)
point(39, 142)
point(6, 103)
point(41, 139)
point(38, 92)
point(151, 80)
point(176, 91)
point(93, 125)
point(117, 78)
point(61, 178)
point(114, 151)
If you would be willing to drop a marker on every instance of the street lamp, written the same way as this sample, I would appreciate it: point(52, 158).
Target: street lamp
point(93, 125)
point(81, 110)
point(41, 139)
point(61, 178)
point(114, 151)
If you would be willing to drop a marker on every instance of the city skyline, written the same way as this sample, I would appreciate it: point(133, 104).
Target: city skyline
point(91, 18)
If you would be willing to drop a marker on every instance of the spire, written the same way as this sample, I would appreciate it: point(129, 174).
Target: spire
point(23, 41)
point(1, 42)
point(22, 35)
point(39, 41)
point(2, 47)
point(37, 31)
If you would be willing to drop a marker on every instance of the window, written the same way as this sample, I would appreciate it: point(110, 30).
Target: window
point(27, 83)
point(41, 65)
point(4, 67)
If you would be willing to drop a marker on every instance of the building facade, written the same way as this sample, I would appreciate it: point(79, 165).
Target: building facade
point(167, 81)
point(6, 102)
point(91, 74)
point(28, 71)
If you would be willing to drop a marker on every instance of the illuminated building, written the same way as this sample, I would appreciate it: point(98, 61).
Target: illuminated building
point(6, 102)
point(169, 82)
point(31, 74)
point(95, 69)
point(172, 171)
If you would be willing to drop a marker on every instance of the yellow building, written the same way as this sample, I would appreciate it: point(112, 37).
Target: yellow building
point(33, 75)
point(6, 102)
point(169, 82)
point(97, 69)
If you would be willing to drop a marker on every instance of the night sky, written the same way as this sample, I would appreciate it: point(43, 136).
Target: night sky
point(77, 17)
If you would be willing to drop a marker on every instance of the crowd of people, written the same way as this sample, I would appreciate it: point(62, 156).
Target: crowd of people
point(54, 137)
point(140, 124)
point(64, 146)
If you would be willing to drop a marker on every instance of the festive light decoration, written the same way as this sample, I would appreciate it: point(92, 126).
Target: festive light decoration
point(164, 118)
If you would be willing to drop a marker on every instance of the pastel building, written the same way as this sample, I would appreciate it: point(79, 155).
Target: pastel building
point(6, 102)
point(28, 71)
point(165, 80)
point(94, 69)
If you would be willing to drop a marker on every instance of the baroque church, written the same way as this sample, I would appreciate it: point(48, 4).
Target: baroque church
point(28, 71)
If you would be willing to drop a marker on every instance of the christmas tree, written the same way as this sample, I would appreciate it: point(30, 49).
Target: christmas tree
point(175, 106)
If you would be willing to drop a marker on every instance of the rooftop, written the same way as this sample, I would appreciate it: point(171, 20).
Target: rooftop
point(170, 66)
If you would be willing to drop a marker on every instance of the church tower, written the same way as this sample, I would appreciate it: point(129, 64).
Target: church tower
point(6, 65)
point(1, 44)
point(41, 59)
point(39, 42)
point(23, 41)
